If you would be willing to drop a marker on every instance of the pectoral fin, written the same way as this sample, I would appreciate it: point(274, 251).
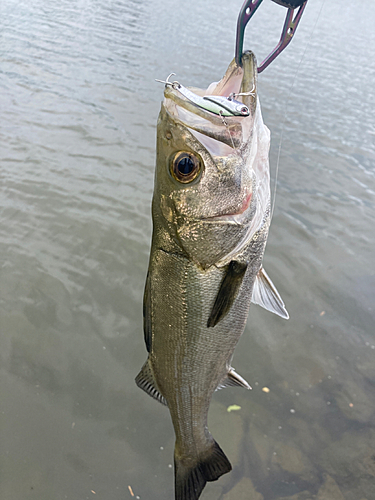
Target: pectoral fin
point(266, 295)
point(145, 380)
point(233, 379)
point(147, 313)
point(227, 292)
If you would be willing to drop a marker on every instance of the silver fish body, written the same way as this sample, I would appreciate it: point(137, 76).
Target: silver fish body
point(211, 216)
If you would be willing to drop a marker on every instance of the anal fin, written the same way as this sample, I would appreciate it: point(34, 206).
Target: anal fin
point(145, 381)
point(233, 380)
point(266, 295)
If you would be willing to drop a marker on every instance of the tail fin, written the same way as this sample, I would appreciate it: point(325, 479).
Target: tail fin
point(190, 481)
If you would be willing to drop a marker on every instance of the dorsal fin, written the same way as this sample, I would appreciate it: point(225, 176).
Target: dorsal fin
point(145, 380)
point(266, 295)
point(227, 292)
point(233, 380)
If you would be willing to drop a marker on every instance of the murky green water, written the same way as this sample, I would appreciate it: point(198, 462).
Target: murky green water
point(77, 148)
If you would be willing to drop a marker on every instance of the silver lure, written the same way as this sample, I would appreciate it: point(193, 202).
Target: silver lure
point(218, 105)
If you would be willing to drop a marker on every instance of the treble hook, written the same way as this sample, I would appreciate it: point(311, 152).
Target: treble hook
point(174, 84)
point(290, 25)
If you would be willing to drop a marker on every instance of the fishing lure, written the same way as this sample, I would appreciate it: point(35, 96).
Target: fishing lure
point(218, 105)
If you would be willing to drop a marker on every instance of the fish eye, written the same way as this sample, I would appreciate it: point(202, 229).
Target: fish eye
point(185, 167)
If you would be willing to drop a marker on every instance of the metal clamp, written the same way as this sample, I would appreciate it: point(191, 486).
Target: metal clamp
point(290, 25)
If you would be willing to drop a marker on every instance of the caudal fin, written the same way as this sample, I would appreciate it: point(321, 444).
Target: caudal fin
point(190, 481)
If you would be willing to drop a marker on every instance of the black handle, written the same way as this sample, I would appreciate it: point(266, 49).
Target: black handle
point(290, 3)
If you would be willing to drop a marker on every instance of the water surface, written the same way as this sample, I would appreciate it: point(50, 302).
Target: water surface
point(77, 150)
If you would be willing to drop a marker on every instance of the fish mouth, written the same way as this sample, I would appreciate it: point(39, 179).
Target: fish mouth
point(219, 135)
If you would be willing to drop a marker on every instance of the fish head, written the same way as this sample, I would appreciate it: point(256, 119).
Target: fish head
point(212, 174)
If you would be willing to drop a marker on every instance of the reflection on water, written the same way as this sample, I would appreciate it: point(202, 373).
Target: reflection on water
point(79, 109)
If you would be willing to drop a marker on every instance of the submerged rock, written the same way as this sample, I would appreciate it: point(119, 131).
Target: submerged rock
point(351, 460)
point(292, 460)
point(356, 404)
point(329, 490)
point(302, 495)
point(243, 490)
point(351, 456)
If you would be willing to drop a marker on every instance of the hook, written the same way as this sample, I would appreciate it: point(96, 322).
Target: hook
point(175, 85)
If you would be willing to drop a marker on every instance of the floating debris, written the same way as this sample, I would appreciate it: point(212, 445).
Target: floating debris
point(131, 491)
point(265, 389)
point(233, 408)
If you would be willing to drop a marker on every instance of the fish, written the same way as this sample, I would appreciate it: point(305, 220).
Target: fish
point(211, 213)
